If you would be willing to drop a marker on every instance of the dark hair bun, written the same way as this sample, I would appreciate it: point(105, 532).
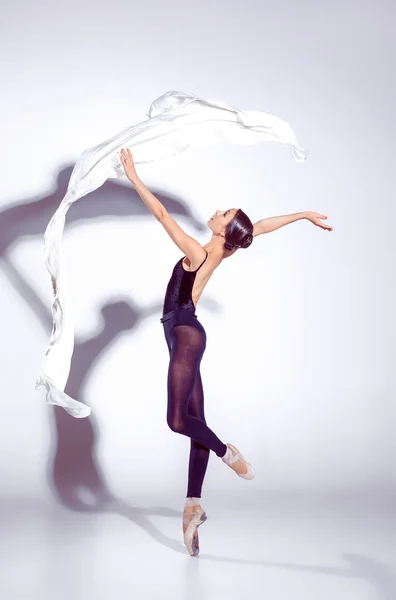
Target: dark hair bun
point(247, 241)
point(229, 246)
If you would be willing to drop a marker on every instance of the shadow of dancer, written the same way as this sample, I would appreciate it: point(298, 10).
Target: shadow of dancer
point(73, 473)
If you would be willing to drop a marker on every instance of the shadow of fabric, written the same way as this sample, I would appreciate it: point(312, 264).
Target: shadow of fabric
point(30, 217)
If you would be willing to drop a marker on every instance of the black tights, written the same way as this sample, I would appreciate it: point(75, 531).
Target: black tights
point(185, 413)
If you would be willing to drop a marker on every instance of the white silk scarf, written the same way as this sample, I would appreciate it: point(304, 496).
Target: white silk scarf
point(176, 121)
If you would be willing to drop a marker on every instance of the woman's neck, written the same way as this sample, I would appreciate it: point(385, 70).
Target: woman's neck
point(215, 245)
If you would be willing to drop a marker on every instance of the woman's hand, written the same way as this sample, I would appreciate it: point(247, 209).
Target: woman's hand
point(315, 219)
point(128, 164)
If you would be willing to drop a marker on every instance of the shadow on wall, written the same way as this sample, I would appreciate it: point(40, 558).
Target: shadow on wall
point(74, 473)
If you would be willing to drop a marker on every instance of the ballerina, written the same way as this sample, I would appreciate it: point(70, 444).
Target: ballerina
point(186, 338)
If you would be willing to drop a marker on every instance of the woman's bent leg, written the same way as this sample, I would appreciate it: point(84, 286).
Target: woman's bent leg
point(188, 345)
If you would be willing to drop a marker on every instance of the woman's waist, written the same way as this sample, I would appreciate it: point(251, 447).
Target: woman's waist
point(178, 311)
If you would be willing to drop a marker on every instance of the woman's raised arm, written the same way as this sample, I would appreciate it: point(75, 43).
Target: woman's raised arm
point(273, 223)
point(191, 247)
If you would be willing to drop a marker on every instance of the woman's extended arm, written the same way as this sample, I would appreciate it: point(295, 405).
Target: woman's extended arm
point(191, 247)
point(273, 223)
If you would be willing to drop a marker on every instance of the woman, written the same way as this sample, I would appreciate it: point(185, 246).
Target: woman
point(186, 337)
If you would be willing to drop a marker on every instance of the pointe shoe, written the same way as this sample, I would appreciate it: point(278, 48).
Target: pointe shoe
point(193, 521)
point(236, 455)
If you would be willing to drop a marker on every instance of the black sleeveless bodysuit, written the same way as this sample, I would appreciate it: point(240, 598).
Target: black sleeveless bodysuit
point(179, 290)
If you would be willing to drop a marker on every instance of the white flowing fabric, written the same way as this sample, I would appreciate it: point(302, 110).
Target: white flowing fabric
point(177, 121)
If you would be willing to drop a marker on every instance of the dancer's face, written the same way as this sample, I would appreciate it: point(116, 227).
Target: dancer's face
point(220, 220)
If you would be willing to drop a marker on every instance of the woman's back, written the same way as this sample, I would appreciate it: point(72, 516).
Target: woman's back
point(185, 286)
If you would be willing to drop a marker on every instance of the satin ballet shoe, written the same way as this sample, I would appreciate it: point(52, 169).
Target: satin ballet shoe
point(193, 521)
point(236, 455)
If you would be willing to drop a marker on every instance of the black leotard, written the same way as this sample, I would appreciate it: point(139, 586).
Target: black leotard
point(179, 289)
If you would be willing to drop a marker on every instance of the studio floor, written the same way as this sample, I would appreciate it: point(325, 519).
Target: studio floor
point(134, 550)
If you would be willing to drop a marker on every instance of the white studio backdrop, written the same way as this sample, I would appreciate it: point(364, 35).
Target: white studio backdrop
point(298, 366)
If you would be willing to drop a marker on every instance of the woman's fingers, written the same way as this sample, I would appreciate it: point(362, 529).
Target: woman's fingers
point(128, 164)
point(126, 155)
point(320, 224)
